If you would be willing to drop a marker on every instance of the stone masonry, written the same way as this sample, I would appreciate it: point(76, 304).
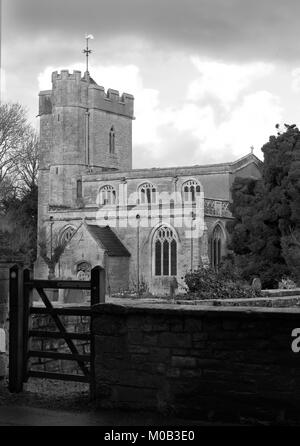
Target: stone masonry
point(202, 363)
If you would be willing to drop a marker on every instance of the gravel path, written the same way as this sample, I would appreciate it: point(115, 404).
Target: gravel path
point(49, 394)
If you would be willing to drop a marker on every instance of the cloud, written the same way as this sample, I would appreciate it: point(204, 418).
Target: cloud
point(251, 123)
point(198, 138)
point(125, 78)
point(191, 132)
point(231, 29)
point(296, 80)
point(205, 73)
point(224, 81)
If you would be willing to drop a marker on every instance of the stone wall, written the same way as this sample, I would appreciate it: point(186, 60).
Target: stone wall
point(208, 363)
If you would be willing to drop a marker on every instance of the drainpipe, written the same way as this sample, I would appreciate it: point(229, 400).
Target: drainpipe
point(138, 253)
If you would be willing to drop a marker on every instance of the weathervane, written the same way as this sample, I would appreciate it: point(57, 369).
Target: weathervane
point(87, 51)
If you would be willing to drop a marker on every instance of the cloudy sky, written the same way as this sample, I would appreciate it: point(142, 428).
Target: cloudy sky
point(210, 78)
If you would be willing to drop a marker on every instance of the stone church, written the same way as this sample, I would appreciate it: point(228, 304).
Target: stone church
point(144, 226)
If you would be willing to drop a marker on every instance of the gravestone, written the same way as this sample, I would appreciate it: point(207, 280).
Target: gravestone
point(256, 284)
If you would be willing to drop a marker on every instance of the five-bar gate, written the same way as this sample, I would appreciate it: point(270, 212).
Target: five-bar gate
point(20, 333)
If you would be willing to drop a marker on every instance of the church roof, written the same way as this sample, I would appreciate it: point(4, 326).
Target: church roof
point(205, 169)
point(109, 240)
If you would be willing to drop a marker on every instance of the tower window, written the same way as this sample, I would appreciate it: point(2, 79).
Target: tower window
point(147, 193)
point(112, 140)
point(79, 189)
point(107, 195)
point(165, 252)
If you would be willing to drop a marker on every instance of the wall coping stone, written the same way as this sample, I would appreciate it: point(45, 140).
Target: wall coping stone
point(173, 309)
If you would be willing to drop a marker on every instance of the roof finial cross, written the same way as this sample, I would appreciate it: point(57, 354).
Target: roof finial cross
point(87, 51)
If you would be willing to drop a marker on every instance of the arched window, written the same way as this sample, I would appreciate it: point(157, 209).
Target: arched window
point(217, 242)
point(147, 193)
point(112, 136)
point(107, 195)
point(66, 235)
point(190, 191)
point(165, 252)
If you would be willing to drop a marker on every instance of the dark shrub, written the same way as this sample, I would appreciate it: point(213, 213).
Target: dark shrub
point(205, 283)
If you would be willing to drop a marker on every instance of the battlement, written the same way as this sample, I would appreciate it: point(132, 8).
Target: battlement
point(66, 75)
point(110, 101)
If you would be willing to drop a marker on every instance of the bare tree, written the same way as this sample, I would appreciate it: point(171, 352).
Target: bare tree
point(27, 162)
point(56, 251)
point(13, 128)
point(18, 152)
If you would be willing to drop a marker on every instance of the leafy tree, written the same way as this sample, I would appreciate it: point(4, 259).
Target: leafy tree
point(255, 237)
point(19, 226)
point(265, 231)
point(282, 177)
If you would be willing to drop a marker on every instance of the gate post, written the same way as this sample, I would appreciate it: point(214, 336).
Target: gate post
point(16, 358)
point(98, 289)
point(26, 314)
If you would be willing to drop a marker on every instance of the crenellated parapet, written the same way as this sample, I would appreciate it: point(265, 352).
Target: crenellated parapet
point(65, 75)
point(73, 89)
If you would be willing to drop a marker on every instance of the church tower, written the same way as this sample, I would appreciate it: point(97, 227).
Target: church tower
point(82, 129)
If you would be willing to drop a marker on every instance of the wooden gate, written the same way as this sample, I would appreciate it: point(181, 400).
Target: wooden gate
point(21, 309)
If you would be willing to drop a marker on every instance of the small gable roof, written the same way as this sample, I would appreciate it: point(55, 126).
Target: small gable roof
point(109, 240)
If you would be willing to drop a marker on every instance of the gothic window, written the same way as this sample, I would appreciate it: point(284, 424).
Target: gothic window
point(66, 235)
point(217, 241)
point(190, 191)
point(107, 195)
point(165, 252)
point(147, 193)
point(79, 189)
point(112, 136)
